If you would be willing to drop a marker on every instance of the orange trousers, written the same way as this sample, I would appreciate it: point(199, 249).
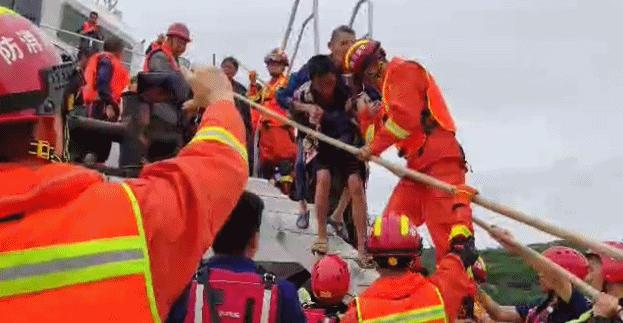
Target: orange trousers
point(438, 209)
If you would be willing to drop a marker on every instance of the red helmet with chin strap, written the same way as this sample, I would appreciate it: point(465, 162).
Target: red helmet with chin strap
point(277, 55)
point(31, 81)
point(568, 258)
point(330, 280)
point(361, 54)
point(394, 235)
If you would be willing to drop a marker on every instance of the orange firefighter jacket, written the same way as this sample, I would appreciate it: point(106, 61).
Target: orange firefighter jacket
point(413, 297)
point(417, 121)
point(75, 248)
point(89, 27)
point(120, 77)
point(369, 124)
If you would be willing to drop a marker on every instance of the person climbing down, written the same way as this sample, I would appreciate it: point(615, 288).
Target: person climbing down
point(232, 280)
point(402, 293)
point(418, 122)
point(324, 100)
point(562, 303)
point(340, 41)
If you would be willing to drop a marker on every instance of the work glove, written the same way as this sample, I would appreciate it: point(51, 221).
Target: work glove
point(305, 298)
point(478, 271)
point(465, 248)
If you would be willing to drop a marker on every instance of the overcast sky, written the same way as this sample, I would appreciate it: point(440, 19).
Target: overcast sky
point(535, 87)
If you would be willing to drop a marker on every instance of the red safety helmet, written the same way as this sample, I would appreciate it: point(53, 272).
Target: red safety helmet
point(361, 55)
point(394, 235)
point(611, 269)
point(277, 55)
point(568, 258)
point(330, 280)
point(31, 80)
point(179, 30)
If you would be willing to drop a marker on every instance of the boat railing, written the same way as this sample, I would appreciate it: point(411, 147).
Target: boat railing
point(90, 39)
point(140, 55)
point(370, 16)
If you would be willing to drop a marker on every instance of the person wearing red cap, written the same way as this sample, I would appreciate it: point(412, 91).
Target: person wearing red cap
point(165, 58)
point(562, 303)
point(402, 293)
point(77, 248)
point(419, 124)
point(166, 116)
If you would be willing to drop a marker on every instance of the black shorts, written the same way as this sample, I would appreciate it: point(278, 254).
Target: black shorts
point(338, 162)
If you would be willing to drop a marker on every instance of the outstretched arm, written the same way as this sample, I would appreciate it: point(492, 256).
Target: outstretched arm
point(185, 200)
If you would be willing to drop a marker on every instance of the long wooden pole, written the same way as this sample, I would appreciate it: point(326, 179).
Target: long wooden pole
point(541, 263)
point(401, 171)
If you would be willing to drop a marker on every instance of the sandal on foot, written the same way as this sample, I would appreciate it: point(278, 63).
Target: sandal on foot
point(339, 227)
point(365, 261)
point(302, 222)
point(320, 247)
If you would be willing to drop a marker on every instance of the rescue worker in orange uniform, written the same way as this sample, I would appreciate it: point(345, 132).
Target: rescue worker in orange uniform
point(106, 78)
point(276, 62)
point(402, 293)
point(419, 123)
point(277, 148)
point(76, 248)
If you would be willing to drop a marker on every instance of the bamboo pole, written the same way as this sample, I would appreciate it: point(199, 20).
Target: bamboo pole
point(541, 263)
point(402, 172)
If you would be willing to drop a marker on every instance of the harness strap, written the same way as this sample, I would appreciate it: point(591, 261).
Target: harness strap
point(210, 295)
point(269, 282)
point(199, 303)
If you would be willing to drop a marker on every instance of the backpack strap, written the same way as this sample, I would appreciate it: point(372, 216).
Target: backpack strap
point(269, 282)
point(202, 292)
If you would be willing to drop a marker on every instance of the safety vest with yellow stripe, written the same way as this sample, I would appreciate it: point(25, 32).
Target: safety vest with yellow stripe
point(74, 249)
point(77, 262)
point(425, 305)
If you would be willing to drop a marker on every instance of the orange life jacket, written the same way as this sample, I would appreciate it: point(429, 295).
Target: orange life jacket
point(166, 49)
point(88, 27)
point(409, 298)
point(267, 97)
point(64, 260)
point(435, 104)
point(120, 77)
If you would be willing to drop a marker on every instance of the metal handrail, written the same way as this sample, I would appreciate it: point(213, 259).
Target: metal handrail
point(86, 37)
point(316, 28)
point(356, 12)
point(286, 37)
point(298, 42)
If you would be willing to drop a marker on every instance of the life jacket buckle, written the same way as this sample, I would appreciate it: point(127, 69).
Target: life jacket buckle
point(42, 149)
point(269, 280)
